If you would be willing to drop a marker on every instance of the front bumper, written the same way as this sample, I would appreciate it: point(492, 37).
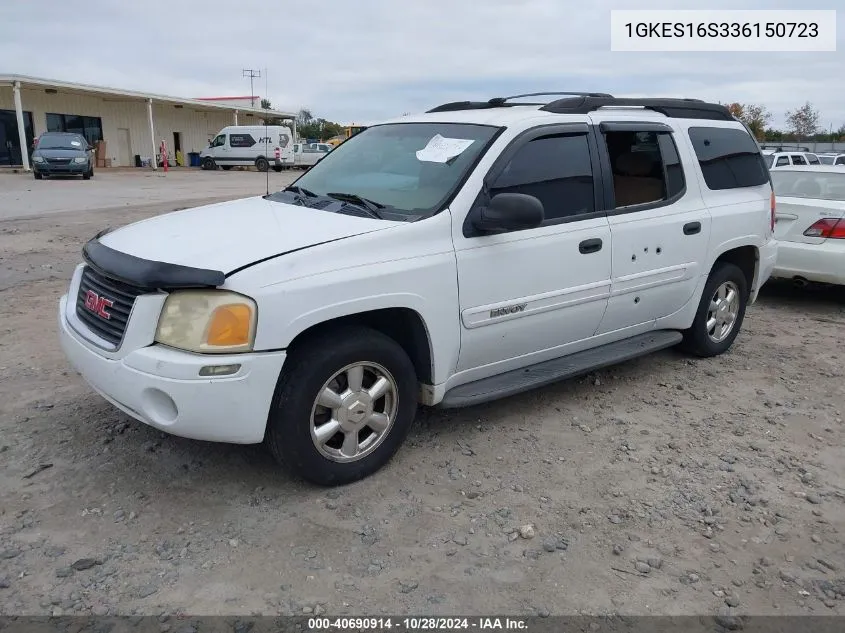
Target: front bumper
point(822, 263)
point(162, 387)
point(71, 168)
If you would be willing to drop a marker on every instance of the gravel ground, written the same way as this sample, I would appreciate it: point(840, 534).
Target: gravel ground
point(666, 485)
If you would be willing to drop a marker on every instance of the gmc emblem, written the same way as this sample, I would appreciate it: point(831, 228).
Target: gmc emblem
point(97, 304)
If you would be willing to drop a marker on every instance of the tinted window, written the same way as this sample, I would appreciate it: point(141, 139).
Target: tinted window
point(813, 159)
point(840, 160)
point(783, 160)
point(729, 158)
point(89, 127)
point(241, 140)
point(798, 160)
point(554, 169)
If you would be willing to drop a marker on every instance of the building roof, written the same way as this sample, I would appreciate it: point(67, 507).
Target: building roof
point(102, 91)
point(247, 97)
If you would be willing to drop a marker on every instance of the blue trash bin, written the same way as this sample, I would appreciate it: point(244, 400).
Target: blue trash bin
point(194, 159)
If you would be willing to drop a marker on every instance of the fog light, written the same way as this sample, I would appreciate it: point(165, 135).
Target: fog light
point(219, 370)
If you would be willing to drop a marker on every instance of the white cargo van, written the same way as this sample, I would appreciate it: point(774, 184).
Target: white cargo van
point(259, 145)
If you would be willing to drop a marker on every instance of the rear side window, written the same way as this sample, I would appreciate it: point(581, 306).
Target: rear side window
point(798, 160)
point(729, 158)
point(840, 160)
point(646, 167)
point(813, 159)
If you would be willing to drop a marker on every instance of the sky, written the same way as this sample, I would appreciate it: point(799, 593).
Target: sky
point(365, 60)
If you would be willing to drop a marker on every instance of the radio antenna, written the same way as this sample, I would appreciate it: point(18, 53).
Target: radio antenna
point(266, 136)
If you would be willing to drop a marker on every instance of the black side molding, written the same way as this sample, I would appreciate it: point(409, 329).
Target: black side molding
point(145, 273)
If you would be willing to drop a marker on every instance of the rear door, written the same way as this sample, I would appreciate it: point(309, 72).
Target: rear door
point(659, 223)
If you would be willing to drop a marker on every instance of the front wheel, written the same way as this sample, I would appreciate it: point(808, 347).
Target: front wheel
point(343, 405)
point(208, 163)
point(720, 312)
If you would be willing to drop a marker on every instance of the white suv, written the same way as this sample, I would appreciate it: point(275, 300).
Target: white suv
point(469, 253)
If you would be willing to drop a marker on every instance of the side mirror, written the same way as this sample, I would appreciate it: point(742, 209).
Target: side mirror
point(510, 211)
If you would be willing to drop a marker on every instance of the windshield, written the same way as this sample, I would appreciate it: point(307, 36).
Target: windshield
point(770, 159)
point(809, 184)
point(387, 165)
point(62, 141)
point(826, 160)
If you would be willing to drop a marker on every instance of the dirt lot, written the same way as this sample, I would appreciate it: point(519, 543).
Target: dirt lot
point(663, 486)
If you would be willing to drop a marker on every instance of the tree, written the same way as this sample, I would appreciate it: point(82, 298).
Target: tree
point(304, 117)
point(803, 121)
point(755, 116)
point(266, 105)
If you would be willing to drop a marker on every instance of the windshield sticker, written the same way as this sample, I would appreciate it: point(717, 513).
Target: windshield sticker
point(441, 149)
point(75, 143)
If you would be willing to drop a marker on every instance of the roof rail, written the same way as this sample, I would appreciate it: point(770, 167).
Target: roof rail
point(502, 102)
point(674, 108)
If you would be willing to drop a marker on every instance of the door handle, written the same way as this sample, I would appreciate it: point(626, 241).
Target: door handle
point(691, 228)
point(590, 246)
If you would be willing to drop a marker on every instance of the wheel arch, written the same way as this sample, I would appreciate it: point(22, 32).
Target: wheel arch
point(747, 258)
point(404, 325)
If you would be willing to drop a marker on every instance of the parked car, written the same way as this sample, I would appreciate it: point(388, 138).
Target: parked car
point(307, 155)
point(832, 159)
point(258, 145)
point(810, 224)
point(775, 160)
point(62, 153)
point(449, 259)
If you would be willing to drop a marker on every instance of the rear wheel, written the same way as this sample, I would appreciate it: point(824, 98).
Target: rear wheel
point(225, 167)
point(343, 405)
point(208, 163)
point(720, 312)
point(37, 176)
point(261, 164)
point(278, 168)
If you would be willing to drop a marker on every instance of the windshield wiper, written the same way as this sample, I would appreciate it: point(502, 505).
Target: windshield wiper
point(300, 190)
point(370, 205)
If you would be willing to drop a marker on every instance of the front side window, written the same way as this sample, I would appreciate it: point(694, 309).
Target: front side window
point(411, 167)
point(646, 167)
point(556, 170)
point(219, 140)
point(783, 160)
point(729, 158)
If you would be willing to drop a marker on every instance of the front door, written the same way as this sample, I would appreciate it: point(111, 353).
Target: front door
point(658, 220)
point(524, 293)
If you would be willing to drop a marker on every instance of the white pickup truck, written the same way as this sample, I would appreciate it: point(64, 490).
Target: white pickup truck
point(446, 259)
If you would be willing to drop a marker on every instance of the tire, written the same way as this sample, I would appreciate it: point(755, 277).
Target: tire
point(37, 176)
point(208, 163)
point(278, 169)
point(261, 164)
point(225, 167)
point(706, 342)
point(309, 368)
point(87, 175)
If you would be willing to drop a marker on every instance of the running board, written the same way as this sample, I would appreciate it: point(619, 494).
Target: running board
point(545, 373)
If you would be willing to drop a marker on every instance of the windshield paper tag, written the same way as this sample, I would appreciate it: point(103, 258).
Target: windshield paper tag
point(441, 149)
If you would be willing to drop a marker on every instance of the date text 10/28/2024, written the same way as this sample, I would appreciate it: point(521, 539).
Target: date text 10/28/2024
point(417, 624)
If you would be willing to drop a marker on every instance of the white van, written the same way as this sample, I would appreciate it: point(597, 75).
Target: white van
point(306, 155)
point(259, 145)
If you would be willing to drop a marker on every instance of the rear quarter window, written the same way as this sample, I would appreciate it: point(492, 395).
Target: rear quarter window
point(729, 158)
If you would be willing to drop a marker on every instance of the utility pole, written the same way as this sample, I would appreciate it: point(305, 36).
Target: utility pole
point(252, 74)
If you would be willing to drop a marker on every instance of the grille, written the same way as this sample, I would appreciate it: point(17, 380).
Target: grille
point(120, 294)
point(59, 161)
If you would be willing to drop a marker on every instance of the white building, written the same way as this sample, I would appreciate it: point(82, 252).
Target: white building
point(131, 123)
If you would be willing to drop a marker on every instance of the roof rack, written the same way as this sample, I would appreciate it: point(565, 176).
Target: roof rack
point(674, 108)
point(502, 102)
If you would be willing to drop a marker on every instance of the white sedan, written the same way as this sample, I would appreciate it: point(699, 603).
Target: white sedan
point(810, 223)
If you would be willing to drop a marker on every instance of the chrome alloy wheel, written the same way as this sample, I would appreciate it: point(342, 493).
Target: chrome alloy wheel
point(354, 411)
point(723, 312)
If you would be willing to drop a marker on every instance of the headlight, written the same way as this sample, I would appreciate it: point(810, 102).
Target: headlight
point(37, 159)
point(79, 160)
point(208, 322)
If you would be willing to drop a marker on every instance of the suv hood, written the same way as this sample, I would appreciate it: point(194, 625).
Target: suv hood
point(231, 235)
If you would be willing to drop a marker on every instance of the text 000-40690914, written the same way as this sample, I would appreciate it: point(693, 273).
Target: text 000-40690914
point(723, 31)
